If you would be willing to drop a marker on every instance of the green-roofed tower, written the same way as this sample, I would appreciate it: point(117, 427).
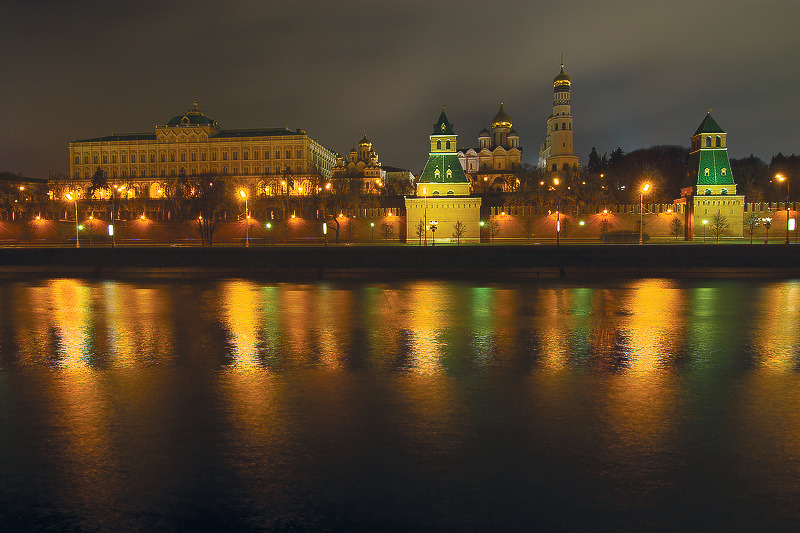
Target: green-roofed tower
point(709, 188)
point(443, 174)
point(442, 198)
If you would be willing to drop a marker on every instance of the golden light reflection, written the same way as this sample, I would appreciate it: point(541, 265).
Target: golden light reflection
point(776, 334)
point(428, 304)
point(241, 306)
point(72, 318)
point(654, 325)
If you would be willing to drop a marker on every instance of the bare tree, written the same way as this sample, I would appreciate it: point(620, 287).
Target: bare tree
point(753, 221)
point(605, 227)
point(719, 225)
point(459, 229)
point(676, 228)
point(494, 229)
point(528, 228)
point(387, 231)
point(207, 198)
point(420, 229)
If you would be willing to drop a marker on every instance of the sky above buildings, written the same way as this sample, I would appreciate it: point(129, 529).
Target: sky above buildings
point(643, 73)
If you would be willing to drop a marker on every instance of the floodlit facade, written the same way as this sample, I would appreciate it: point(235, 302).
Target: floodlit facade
point(362, 163)
point(269, 160)
point(556, 154)
point(442, 194)
point(709, 190)
point(495, 164)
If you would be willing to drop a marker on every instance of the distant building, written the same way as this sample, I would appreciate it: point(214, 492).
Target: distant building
point(495, 164)
point(363, 164)
point(556, 154)
point(709, 189)
point(194, 144)
point(442, 193)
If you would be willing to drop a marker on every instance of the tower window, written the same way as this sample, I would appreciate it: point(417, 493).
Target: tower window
point(449, 174)
point(437, 174)
point(708, 142)
point(724, 171)
point(438, 145)
point(555, 126)
point(563, 125)
point(447, 145)
point(707, 172)
point(719, 141)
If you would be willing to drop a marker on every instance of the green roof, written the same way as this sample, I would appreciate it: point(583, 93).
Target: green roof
point(120, 137)
point(709, 125)
point(443, 126)
point(713, 159)
point(443, 163)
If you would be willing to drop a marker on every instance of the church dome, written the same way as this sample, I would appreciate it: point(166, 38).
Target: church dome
point(353, 150)
point(364, 140)
point(562, 78)
point(484, 133)
point(501, 119)
point(513, 133)
point(193, 117)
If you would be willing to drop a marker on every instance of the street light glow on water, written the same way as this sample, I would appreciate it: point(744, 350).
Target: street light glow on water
point(239, 404)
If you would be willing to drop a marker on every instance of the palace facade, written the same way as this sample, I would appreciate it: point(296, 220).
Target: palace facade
point(494, 165)
point(269, 160)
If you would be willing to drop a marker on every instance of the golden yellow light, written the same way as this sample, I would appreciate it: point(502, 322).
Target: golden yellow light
point(780, 177)
point(556, 181)
point(646, 187)
point(242, 194)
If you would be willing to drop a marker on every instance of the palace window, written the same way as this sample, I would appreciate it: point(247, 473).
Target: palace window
point(95, 159)
point(245, 155)
point(77, 159)
point(86, 159)
point(288, 154)
point(194, 156)
point(203, 156)
point(152, 157)
point(235, 155)
point(105, 159)
point(224, 156)
point(214, 155)
point(163, 157)
point(299, 153)
point(255, 154)
point(183, 157)
point(277, 154)
point(123, 158)
point(266, 153)
point(172, 157)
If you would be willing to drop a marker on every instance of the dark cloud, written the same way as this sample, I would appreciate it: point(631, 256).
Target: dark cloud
point(643, 72)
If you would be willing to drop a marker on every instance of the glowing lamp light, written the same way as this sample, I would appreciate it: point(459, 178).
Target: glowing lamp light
point(582, 223)
point(646, 187)
point(269, 226)
point(605, 211)
point(142, 217)
point(80, 227)
point(242, 194)
point(791, 224)
point(482, 223)
point(705, 222)
point(503, 213)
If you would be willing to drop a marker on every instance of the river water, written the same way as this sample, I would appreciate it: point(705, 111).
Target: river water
point(625, 405)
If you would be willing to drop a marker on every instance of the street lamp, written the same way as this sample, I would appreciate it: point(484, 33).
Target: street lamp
point(582, 224)
point(767, 224)
point(705, 223)
point(425, 213)
point(558, 211)
point(781, 178)
point(372, 230)
point(246, 218)
point(74, 198)
point(645, 188)
point(434, 223)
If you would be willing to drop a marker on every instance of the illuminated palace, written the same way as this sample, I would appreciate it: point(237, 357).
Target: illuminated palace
point(556, 153)
point(194, 144)
point(495, 163)
point(442, 198)
point(709, 189)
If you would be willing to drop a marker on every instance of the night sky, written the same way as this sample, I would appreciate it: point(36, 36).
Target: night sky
point(643, 73)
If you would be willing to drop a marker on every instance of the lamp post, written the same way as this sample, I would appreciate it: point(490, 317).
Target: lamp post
point(372, 232)
point(74, 198)
point(705, 223)
point(425, 213)
point(582, 224)
point(767, 224)
point(434, 223)
point(558, 211)
point(645, 188)
point(781, 178)
point(246, 218)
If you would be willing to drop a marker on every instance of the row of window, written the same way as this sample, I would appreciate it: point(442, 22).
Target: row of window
point(717, 142)
point(114, 173)
point(723, 171)
point(563, 126)
point(95, 158)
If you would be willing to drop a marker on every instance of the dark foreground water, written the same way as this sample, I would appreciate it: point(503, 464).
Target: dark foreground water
point(637, 405)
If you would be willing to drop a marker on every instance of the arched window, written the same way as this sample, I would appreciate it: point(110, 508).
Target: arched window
point(438, 145)
point(437, 174)
point(449, 174)
point(707, 172)
point(719, 141)
point(563, 125)
point(288, 153)
point(708, 192)
point(708, 142)
point(555, 126)
point(724, 171)
point(447, 145)
point(245, 155)
point(235, 154)
point(724, 191)
point(451, 193)
point(172, 157)
point(435, 193)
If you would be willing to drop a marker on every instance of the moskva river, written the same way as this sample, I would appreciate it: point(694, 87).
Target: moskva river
point(622, 405)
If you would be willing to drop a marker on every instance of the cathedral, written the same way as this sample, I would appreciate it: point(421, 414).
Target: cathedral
point(362, 164)
point(556, 155)
point(493, 166)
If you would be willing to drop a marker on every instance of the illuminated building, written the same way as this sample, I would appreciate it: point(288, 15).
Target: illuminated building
point(442, 192)
point(709, 189)
point(194, 144)
point(493, 166)
point(556, 154)
point(362, 164)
